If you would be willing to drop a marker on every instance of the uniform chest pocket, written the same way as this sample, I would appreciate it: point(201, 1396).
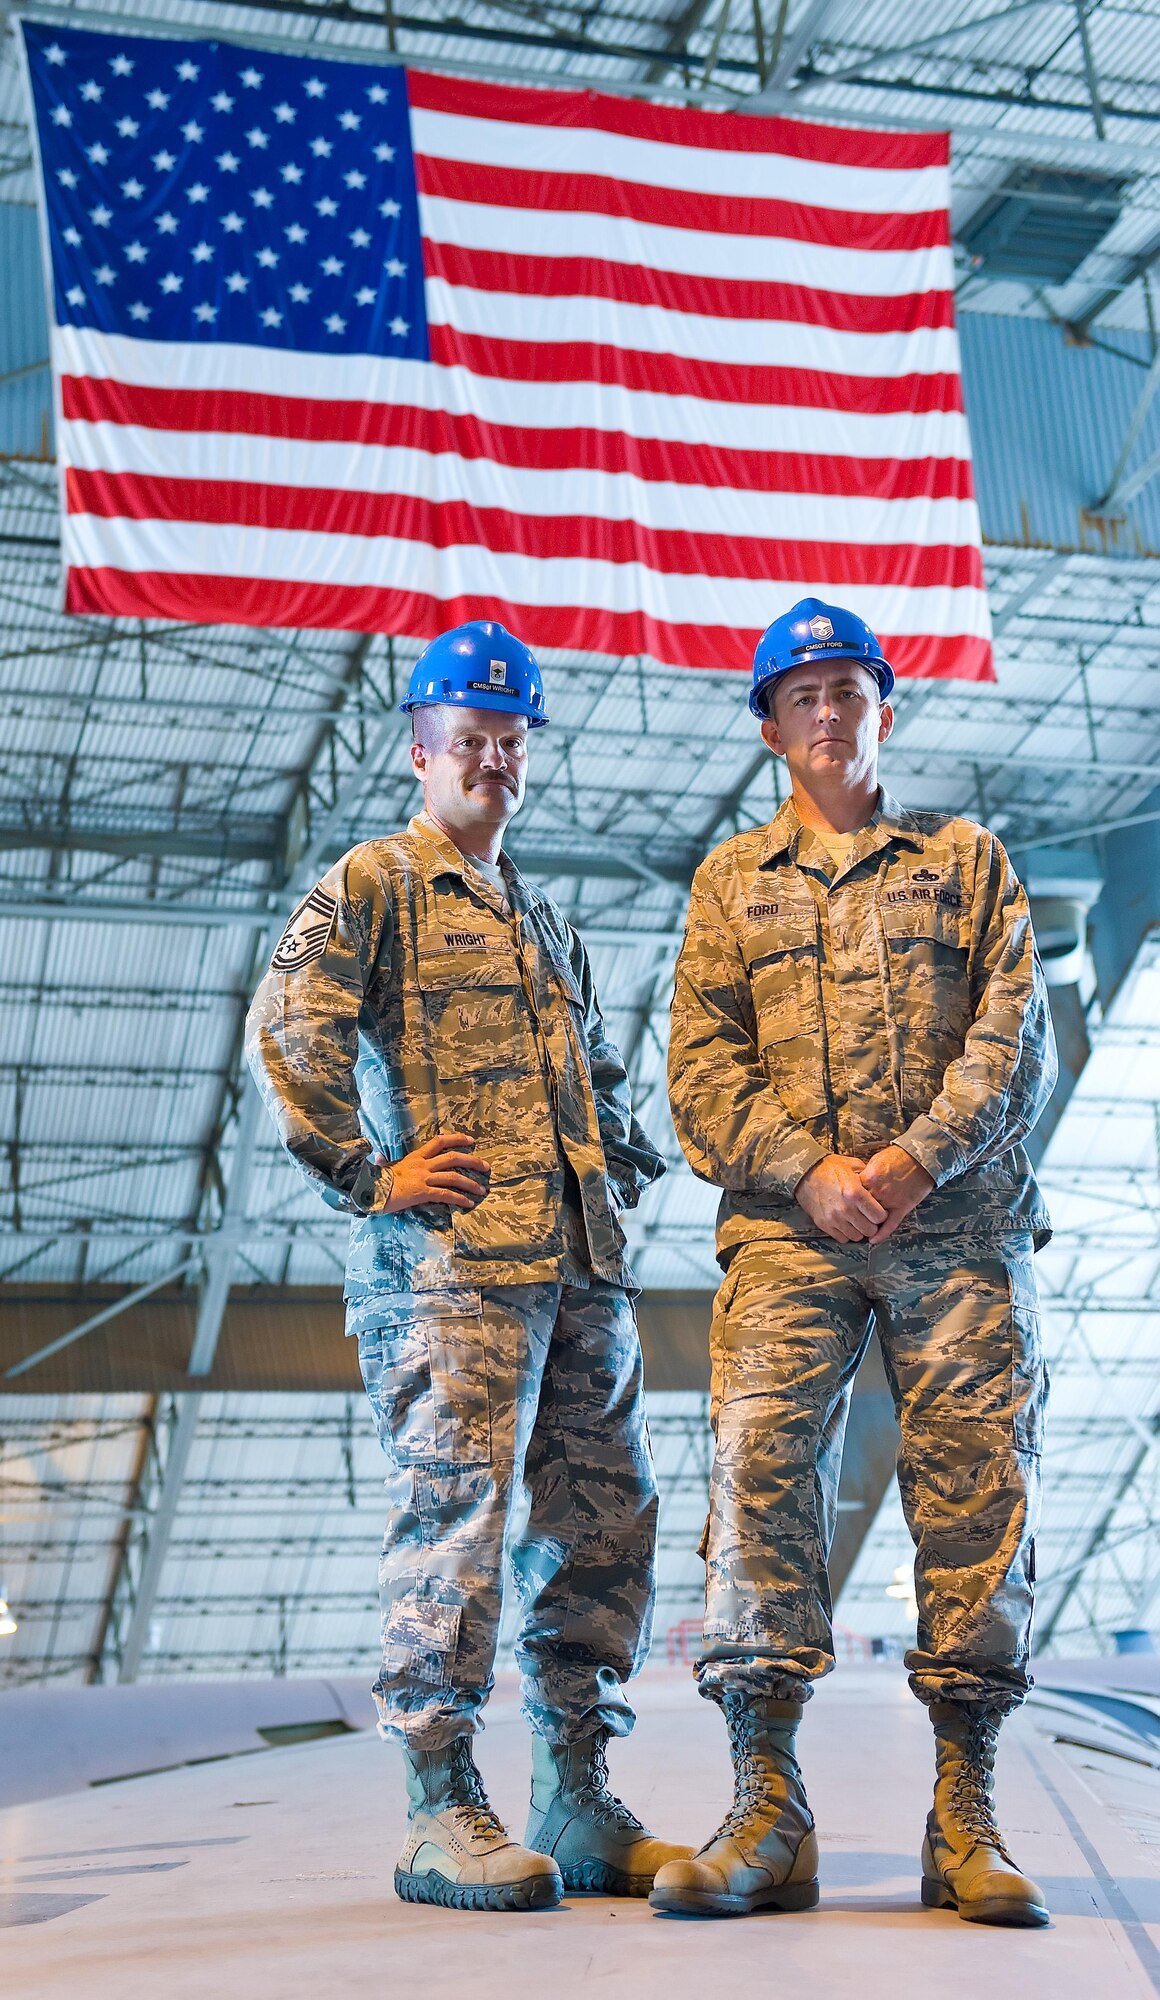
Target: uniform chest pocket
point(782, 960)
point(473, 1000)
point(928, 967)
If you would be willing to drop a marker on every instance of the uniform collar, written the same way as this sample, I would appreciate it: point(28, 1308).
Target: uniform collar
point(438, 855)
point(889, 822)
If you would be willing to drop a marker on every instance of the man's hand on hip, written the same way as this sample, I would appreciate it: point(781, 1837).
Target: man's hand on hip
point(836, 1200)
point(445, 1170)
point(899, 1183)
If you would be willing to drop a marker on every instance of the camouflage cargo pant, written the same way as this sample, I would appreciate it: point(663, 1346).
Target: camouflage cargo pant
point(959, 1330)
point(485, 1400)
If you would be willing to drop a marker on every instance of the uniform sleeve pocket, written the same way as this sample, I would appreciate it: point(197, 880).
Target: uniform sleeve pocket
point(433, 1406)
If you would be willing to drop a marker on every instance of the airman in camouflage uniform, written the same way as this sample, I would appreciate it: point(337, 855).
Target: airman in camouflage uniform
point(430, 1047)
point(860, 1042)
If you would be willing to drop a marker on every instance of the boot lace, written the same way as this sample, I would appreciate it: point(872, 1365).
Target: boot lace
point(970, 1789)
point(604, 1805)
point(753, 1785)
point(469, 1795)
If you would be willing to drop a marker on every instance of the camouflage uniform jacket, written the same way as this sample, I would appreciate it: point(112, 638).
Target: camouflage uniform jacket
point(460, 1016)
point(900, 1001)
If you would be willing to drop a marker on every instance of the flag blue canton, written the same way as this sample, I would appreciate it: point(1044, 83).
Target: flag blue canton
point(199, 191)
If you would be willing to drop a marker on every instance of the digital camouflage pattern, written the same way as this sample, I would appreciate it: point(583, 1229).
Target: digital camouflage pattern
point(822, 1008)
point(898, 998)
point(460, 1016)
point(959, 1332)
point(411, 996)
point(478, 1395)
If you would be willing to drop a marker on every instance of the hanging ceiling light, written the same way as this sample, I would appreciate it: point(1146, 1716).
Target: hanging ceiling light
point(8, 1623)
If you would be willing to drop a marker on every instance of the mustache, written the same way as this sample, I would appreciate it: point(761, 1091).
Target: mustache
point(495, 778)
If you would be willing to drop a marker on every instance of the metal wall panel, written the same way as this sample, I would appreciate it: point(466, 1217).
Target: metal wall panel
point(1047, 422)
point(25, 397)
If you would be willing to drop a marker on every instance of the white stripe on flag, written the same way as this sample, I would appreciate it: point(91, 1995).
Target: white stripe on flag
point(694, 253)
point(766, 343)
point(584, 493)
point(586, 406)
point(496, 142)
point(277, 556)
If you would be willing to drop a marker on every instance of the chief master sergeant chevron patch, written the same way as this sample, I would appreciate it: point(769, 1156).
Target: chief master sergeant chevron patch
point(307, 934)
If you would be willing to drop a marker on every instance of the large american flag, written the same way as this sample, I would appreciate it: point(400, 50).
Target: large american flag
point(346, 345)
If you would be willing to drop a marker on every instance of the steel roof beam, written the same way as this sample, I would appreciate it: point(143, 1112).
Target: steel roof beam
point(1137, 268)
point(1091, 78)
point(230, 841)
point(924, 45)
point(797, 44)
point(1025, 597)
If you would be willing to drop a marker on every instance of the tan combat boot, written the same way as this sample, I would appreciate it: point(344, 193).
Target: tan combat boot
point(458, 1854)
point(764, 1855)
point(965, 1866)
point(596, 1842)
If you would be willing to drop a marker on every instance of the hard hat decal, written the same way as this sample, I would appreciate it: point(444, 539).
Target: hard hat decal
point(821, 628)
point(497, 673)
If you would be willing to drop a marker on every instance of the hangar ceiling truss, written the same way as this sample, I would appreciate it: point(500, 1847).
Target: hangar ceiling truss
point(165, 790)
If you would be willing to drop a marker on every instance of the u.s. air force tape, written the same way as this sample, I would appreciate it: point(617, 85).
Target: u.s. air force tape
point(307, 934)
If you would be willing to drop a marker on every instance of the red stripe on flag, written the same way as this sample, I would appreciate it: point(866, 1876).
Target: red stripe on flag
point(713, 298)
point(704, 131)
point(677, 208)
point(708, 381)
point(231, 600)
point(456, 524)
point(100, 399)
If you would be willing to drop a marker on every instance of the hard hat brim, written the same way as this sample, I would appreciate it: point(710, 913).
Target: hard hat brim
point(882, 671)
point(481, 696)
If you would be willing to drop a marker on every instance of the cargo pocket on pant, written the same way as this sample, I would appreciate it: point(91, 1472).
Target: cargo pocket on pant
point(726, 1292)
point(419, 1641)
point(1028, 1369)
point(429, 1376)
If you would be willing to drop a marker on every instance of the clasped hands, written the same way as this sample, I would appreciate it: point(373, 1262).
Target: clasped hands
point(849, 1200)
point(445, 1171)
point(863, 1201)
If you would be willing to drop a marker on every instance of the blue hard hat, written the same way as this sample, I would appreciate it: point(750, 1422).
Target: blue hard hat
point(815, 631)
point(478, 665)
